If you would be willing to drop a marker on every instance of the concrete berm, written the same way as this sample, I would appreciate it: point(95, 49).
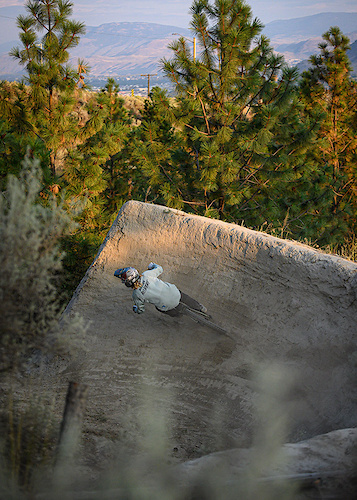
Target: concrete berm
point(284, 305)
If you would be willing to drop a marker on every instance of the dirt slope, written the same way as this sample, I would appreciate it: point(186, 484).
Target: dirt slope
point(282, 303)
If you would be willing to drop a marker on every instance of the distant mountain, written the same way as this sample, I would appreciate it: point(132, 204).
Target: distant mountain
point(115, 49)
point(112, 49)
point(297, 39)
point(353, 55)
point(303, 28)
point(296, 52)
point(126, 48)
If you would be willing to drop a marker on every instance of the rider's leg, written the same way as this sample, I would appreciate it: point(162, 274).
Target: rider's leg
point(176, 311)
point(189, 302)
point(192, 303)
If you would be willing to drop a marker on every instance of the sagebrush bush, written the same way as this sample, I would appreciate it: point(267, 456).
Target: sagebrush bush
point(30, 260)
point(30, 326)
point(29, 438)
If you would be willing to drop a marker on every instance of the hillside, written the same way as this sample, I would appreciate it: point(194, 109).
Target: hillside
point(301, 51)
point(303, 28)
point(119, 48)
point(353, 57)
point(298, 39)
point(126, 48)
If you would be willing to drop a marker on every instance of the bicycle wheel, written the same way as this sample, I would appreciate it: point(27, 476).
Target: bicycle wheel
point(205, 319)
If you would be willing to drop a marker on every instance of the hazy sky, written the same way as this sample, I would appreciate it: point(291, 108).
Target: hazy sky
point(176, 12)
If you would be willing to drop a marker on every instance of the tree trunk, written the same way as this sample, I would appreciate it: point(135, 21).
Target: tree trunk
point(71, 422)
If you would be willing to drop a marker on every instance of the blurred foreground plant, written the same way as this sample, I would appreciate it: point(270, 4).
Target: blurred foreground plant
point(29, 435)
point(30, 326)
point(29, 261)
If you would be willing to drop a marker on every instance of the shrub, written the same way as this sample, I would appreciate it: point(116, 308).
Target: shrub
point(30, 261)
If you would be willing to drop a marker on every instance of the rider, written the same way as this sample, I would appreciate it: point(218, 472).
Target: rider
point(166, 297)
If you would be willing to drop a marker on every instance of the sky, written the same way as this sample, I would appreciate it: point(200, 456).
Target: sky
point(176, 12)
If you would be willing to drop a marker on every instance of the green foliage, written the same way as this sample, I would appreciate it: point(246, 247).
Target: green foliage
point(47, 34)
point(233, 105)
point(328, 87)
point(154, 143)
point(30, 260)
point(243, 140)
point(90, 168)
point(17, 133)
point(92, 178)
point(79, 250)
point(45, 56)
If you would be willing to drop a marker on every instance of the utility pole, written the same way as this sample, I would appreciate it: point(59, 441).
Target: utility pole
point(192, 41)
point(41, 53)
point(148, 75)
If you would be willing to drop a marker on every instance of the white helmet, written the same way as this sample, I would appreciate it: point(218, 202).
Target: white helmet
point(128, 275)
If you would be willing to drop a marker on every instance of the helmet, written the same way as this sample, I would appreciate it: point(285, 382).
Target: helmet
point(128, 275)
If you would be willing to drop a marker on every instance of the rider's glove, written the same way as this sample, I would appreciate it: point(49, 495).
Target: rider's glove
point(136, 309)
point(152, 265)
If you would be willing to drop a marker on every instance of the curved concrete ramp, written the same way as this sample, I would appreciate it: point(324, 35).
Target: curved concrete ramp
point(284, 305)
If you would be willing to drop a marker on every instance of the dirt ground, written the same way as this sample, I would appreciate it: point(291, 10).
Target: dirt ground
point(291, 356)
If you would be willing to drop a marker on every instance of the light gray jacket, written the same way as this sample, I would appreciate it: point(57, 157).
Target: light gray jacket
point(164, 296)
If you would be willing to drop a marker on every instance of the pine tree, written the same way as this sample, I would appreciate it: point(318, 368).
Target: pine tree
point(17, 134)
point(114, 135)
point(92, 173)
point(328, 87)
point(153, 145)
point(91, 167)
point(234, 103)
point(47, 34)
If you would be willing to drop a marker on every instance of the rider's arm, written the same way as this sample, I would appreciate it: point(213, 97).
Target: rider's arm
point(139, 304)
point(154, 270)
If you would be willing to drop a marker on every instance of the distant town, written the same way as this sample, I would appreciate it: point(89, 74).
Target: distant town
point(132, 84)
